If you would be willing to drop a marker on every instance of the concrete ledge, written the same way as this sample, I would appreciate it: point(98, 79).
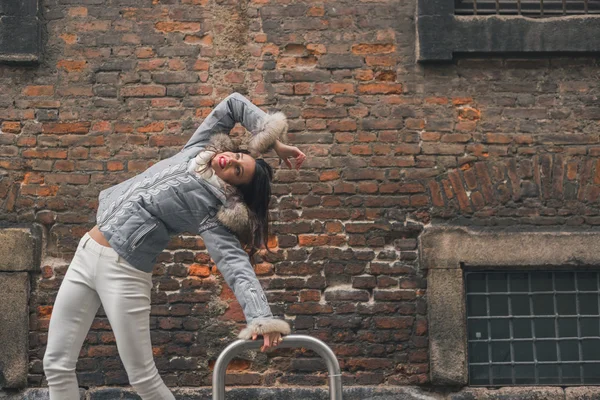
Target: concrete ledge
point(293, 393)
point(20, 249)
point(449, 247)
point(350, 393)
point(14, 329)
point(511, 393)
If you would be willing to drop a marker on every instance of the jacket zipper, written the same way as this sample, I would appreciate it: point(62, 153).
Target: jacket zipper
point(254, 297)
point(138, 238)
point(139, 189)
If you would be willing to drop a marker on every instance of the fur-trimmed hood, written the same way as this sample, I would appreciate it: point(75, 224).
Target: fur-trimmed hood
point(234, 214)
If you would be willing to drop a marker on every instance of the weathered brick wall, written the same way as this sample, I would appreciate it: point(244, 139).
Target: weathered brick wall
point(392, 146)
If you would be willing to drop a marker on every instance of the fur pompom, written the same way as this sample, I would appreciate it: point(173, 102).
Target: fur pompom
point(274, 127)
point(261, 326)
point(222, 142)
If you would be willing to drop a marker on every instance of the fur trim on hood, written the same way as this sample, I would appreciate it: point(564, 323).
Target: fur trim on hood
point(261, 326)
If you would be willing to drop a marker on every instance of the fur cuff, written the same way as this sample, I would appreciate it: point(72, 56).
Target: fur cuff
point(264, 325)
point(274, 127)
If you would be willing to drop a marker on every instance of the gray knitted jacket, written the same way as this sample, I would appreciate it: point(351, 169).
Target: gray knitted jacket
point(138, 216)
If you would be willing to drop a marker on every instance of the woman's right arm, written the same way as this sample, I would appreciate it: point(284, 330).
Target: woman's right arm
point(265, 128)
point(233, 263)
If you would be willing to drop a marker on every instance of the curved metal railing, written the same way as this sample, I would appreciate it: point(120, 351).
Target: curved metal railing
point(291, 341)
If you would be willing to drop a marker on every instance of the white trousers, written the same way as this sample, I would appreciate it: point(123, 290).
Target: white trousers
point(98, 275)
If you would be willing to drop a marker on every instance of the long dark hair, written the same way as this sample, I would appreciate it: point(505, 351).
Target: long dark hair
point(257, 196)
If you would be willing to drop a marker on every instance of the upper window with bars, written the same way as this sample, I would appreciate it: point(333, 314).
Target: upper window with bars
point(528, 8)
point(20, 31)
point(446, 28)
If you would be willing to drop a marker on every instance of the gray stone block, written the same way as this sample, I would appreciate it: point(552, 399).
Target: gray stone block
point(20, 249)
point(14, 329)
point(582, 393)
point(447, 330)
point(510, 393)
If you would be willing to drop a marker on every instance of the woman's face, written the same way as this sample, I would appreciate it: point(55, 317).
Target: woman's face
point(234, 168)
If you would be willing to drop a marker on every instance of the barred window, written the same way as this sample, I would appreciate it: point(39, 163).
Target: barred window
point(446, 28)
point(529, 8)
point(533, 328)
point(20, 31)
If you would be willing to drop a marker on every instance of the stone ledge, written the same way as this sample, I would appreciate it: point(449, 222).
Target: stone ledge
point(350, 393)
point(24, 247)
point(449, 247)
point(14, 329)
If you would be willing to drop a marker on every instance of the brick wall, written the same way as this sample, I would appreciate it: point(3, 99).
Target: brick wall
point(392, 146)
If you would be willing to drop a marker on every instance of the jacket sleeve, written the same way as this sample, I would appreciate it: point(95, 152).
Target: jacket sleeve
point(234, 264)
point(265, 128)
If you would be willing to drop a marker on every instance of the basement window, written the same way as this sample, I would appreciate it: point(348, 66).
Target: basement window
point(533, 327)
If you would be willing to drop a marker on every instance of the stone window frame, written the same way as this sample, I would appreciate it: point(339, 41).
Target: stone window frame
point(446, 251)
point(20, 31)
point(441, 33)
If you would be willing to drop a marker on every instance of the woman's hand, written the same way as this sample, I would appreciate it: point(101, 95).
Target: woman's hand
point(270, 340)
point(286, 152)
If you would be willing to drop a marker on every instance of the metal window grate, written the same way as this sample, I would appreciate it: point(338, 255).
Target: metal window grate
point(529, 8)
point(532, 328)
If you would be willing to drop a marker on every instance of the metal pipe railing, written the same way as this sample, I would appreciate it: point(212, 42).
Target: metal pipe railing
point(291, 341)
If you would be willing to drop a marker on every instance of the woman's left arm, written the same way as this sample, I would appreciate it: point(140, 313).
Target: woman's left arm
point(232, 261)
point(266, 129)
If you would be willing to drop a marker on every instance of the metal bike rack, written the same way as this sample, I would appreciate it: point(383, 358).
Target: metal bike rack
point(291, 341)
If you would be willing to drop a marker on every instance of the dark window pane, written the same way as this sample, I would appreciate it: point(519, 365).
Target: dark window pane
point(569, 350)
point(566, 304)
point(548, 374)
point(564, 281)
point(588, 304)
point(587, 281)
point(591, 350)
point(500, 351)
point(567, 327)
point(548, 310)
point(544, 328)
point(500, 329)
point(520, 304)
point(541, 281)
point(478, 352)
point(543, 304)
point(591, 373)
point(571, 373)
point(499, 305)
point(546, 350)
point(478, 329)
point(524, 374)
point(501, 374)
point(476, 306)
point(476, 283)
point(523, 351)
point(589, 327)
point(479, 375)
point(519, 282)
point(497, 283)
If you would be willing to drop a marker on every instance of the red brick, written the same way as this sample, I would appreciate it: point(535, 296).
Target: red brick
point(11, 127)
point(381, 88)
point(63, 128)
point(42, 90)
point(174, 26)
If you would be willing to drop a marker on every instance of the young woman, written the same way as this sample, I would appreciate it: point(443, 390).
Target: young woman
point(209, 188)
